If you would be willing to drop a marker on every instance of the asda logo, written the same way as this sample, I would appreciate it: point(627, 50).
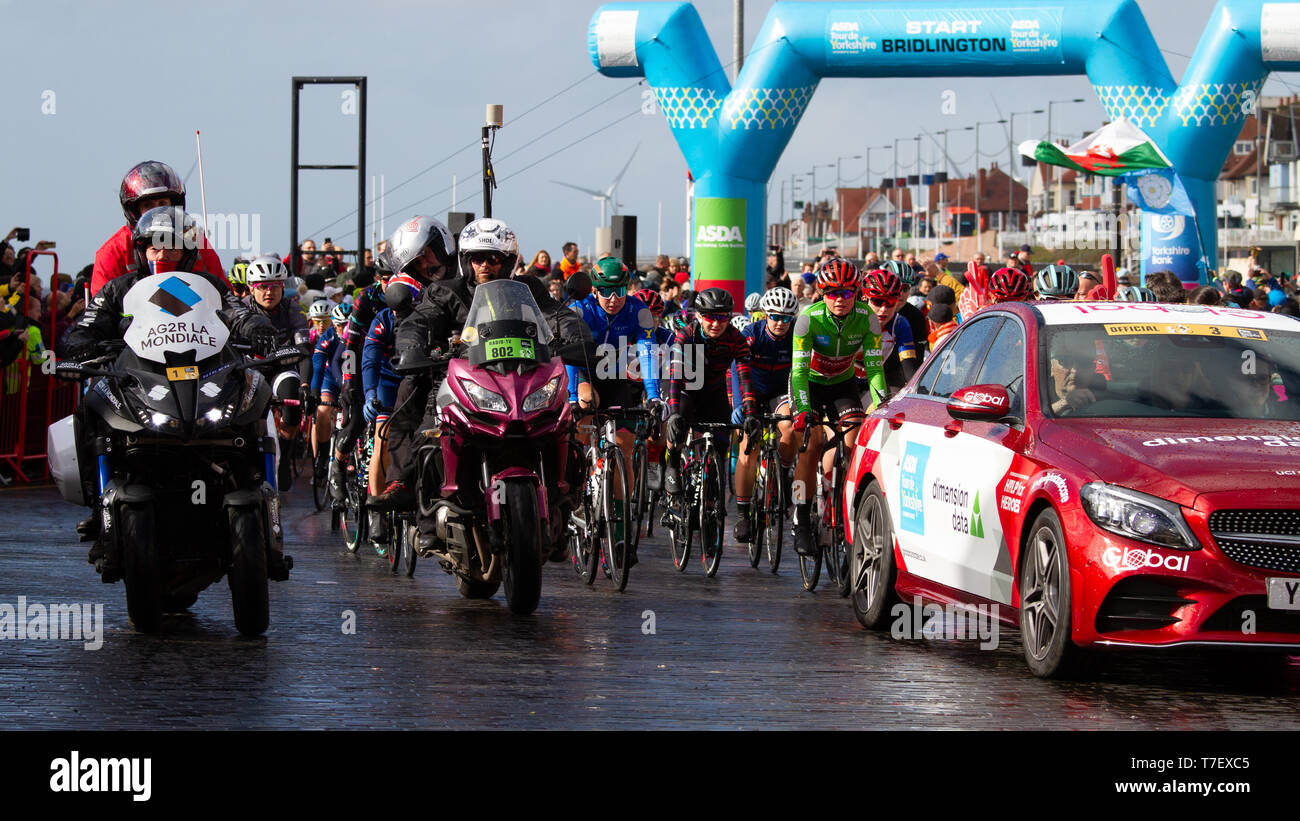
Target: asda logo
point(719, 233)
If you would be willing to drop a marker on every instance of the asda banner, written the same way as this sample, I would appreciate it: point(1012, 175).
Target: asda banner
point(720, 232)
point(858, 36)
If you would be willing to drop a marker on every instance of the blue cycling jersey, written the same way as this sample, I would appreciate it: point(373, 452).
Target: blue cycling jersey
point(327, 361)
point(378, 352)
point(769, 360)
point(632, 325)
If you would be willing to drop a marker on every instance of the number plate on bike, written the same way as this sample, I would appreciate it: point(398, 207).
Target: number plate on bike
point(183, 373)
point(509, 348)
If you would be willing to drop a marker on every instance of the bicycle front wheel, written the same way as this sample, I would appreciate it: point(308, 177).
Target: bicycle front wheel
point(713, 513)
point(617, 516)
point(773, 503)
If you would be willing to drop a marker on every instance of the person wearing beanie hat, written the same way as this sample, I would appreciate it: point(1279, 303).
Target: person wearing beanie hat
point(942, 322)
point(941, 294)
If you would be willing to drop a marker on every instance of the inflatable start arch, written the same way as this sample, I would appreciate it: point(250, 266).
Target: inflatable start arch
point(732, 137)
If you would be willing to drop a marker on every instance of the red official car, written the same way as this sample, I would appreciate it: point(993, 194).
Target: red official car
point(1105, 473)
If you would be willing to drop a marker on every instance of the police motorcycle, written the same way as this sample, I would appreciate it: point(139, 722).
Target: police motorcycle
point(185, 449)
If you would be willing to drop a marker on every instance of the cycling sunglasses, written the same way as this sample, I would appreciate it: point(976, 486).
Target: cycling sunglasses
point(781, 318)
point(612, 291)
point(267, 286)
point(840, 293)
point(490, 257)
point(884, 303)
point(716, 317)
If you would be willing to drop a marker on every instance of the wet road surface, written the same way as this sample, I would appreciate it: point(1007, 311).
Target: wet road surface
point(743, 650)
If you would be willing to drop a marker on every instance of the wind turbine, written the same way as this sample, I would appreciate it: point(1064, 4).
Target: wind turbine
point(606, 197)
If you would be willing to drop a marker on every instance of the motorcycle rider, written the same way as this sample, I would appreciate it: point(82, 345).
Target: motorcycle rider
point(266, 279)
point(164, 239)
point(148, 185)
point(423, 248)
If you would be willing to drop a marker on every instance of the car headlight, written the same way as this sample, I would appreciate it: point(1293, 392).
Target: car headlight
point(483, 398)
point(1137, 516)
point(541, 397)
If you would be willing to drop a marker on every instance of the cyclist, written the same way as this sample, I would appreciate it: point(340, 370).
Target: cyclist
point(238, 277)
point(771, 351)
point(1134, 293)
point(1010, 285)
point(914, 315)
point(830, 336)
point(709, 346)
point(1056, 282)
point(266, 279)
point(327, 383)
point(617, 322)
point(318, 317)
point(146, 186)
point(752, 310)
point(884, 291)
point(663, 336)
point(379, 382)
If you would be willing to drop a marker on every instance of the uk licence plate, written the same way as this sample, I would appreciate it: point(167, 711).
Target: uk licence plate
point(1283, 593)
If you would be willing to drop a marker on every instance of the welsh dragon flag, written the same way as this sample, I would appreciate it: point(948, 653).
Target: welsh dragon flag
point(1118, 148)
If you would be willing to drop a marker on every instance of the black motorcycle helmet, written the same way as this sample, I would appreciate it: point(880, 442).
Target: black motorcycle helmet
point(713, 301)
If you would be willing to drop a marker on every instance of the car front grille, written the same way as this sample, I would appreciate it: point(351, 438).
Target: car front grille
point(1265, 539)
point(1140, 603)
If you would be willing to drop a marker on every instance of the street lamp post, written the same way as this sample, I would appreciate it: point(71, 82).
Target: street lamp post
point(1011, 164)
point(1051, 170)
point(839, 198)
point(979, 242)
point(814, 198)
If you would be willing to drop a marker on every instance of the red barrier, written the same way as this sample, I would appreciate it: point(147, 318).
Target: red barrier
point(30, 398)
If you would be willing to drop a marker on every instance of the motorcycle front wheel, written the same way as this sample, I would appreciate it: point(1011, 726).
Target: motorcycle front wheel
point(523, 570)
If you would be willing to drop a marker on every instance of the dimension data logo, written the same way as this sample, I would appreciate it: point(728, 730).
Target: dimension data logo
point(966, 516)
point(175, 296)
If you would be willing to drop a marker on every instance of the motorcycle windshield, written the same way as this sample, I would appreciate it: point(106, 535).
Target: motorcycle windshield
point(174, 313)
point(504, 323)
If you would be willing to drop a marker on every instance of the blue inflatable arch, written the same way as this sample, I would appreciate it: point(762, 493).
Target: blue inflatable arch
point(732, 137)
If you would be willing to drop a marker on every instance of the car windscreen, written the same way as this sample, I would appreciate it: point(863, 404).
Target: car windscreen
point(1163, 369)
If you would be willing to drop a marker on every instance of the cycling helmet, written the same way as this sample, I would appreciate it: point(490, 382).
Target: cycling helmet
point(410, 240)
point(1146, 295)
point(610, 272)
point(341, 313)
point(166, 227)
point(780, 301)
point(147, 179)
point(837, 273)
point(1056, 282)
point(882, 283)
point(1009, 285)
point(267, 268)
point(713, 301)
point(740, 322)
point(905, 273)
point(489, 234)
point(651, 299)
point(238, 273)
point(320, 309)
point(751, 303)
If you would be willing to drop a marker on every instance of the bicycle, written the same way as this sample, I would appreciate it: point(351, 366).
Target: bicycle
point(771, 496)
point(701, 504)
point(602, 457)
point(644, 493)
point(320, 491)
point(829, 518)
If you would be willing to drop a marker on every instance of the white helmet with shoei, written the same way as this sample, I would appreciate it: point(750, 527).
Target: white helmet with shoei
point(487, 235)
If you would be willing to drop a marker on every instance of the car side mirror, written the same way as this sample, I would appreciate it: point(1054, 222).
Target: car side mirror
point(980, 403)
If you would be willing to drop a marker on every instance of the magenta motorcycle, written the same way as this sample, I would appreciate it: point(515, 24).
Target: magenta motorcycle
point(500, 450)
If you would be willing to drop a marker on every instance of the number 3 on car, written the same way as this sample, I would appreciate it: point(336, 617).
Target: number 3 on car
point(1094, 474)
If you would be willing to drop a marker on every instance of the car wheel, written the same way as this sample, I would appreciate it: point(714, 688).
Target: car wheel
point(1045, 602)
point(871, 561)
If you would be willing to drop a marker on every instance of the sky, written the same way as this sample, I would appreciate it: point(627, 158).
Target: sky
point(91, 88)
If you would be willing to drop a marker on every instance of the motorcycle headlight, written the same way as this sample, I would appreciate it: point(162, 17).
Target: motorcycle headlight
point(541, 397)
point(483, 398)
point(1137, 516)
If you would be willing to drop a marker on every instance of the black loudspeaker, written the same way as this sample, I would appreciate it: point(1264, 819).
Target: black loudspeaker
point(623, 231)
point(456, 222)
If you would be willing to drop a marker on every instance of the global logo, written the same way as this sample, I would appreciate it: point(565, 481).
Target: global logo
point(1137, 559)
point(719, 233)
point(175, 296)
point(1168, 226)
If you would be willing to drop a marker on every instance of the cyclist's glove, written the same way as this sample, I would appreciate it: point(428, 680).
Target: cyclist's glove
point(373, 409)
point(804, 420)
point(753, 427)
point(676, 428)
point(658, 408)
point(738, 416)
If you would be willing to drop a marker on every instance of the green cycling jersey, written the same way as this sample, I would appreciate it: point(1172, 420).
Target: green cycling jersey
point(827, 348)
